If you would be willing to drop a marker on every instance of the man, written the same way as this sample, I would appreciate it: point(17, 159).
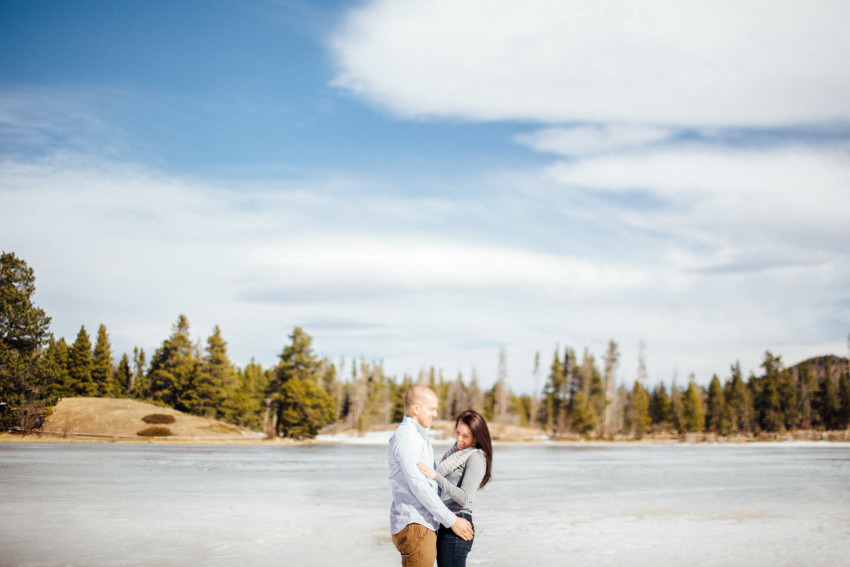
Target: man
point(417, 511)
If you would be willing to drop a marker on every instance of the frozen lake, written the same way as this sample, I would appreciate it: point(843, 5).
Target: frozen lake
point(327, 504)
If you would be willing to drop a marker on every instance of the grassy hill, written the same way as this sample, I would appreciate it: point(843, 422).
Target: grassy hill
point(123, 419)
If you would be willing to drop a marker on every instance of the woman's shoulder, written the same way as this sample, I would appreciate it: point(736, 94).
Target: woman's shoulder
point(477, 456)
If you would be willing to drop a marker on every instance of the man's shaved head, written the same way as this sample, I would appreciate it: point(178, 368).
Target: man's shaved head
point(420, 403)
point(417, 395)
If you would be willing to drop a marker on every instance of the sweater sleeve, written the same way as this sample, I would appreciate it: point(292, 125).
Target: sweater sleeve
point(463, 494)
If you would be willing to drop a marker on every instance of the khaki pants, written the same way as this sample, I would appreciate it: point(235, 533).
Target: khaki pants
point(417, 545)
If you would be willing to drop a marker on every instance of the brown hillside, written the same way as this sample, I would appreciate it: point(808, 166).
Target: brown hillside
point(123, 419)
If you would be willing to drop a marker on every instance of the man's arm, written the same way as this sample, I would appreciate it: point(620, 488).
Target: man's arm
point(424, 492)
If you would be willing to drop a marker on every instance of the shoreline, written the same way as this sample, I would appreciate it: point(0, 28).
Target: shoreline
point(49, 437)
point(381, 437)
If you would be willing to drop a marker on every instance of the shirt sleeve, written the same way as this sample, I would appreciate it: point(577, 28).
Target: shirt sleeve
point(419, 484)
point(473, 474)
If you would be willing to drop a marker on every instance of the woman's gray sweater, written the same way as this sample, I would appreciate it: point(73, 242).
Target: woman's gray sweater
point(459, 498)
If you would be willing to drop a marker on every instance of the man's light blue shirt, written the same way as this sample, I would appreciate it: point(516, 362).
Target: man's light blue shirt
point(415, 498)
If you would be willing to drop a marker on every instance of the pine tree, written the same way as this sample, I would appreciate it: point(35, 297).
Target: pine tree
point(676, 416)
point(807, 387)
point(739, 401)
point(398, 391)
point(693, 414)
point(843, 421)
point(356, 394)
point(173, 368)
point(767, 402)
point(828, 403)
point(102, 371)
point(297, 359)
point(248, 400)
point(554, 394)
point(139, 387)
point(303, 408)
point(215, 379)
point(124, 376)
point(24, 328)
point(597, 400)
point(519, 409)
point(584, 417)
point(334, 388)
point(80, 365)
point(660, 407)
point(375, 391)
point(58, 358)
point(717, 418)
point(299, 407)
point(639, 417)
point(25, 374)
point(788, 399)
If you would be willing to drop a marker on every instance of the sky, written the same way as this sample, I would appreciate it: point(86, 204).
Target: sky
point(427, 183)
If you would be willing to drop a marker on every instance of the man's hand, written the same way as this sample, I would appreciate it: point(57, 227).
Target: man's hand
point(463, 529)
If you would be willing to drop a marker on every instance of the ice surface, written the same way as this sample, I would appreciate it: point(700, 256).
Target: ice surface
point(327, 504)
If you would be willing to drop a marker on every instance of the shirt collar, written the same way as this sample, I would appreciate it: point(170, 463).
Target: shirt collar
point(419, 429)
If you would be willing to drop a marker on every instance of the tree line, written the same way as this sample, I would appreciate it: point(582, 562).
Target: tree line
point(303, 392)
point(579, 399)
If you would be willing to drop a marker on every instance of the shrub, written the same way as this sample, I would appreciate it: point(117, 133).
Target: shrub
point(158, 418)
point(154, 432)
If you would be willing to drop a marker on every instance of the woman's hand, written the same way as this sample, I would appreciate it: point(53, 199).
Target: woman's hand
point(426, 470)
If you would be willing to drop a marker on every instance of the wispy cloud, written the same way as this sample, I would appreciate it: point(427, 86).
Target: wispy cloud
point(593, 139)
point(795, 197)
point(132, 248)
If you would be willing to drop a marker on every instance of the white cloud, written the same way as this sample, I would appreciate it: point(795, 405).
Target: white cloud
point(654, 62)
point(413, 264)
point(584, 140)
point(796, 197)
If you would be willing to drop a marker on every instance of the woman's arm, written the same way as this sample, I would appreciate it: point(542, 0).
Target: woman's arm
point(476, 465)
point(426, 470)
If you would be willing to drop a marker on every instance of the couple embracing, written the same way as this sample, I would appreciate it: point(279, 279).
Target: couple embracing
point(431, 513)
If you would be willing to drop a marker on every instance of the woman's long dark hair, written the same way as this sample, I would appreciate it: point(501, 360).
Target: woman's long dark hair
point(478, 427)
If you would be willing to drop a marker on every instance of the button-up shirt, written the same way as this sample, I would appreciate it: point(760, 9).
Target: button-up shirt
point(415, 499)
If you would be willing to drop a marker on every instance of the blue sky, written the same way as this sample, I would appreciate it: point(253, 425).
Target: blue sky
point(426, 182)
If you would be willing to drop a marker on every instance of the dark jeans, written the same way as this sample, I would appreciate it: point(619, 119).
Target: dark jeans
point(452, 550)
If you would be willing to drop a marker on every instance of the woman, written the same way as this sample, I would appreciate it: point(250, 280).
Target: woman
point(462, 470)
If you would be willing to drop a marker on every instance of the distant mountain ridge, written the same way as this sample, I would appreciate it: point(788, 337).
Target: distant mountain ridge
point(820, 365)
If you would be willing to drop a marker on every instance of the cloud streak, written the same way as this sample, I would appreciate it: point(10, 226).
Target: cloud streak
point(259, 261)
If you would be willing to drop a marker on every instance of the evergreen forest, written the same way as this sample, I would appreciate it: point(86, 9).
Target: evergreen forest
point(304, 393)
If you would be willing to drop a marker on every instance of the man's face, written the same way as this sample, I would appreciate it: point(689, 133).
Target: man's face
point(425, 412)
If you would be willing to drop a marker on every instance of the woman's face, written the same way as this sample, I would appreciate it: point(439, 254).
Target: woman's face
point(463, 436)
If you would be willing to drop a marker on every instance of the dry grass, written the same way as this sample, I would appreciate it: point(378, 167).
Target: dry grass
point(114, 419)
